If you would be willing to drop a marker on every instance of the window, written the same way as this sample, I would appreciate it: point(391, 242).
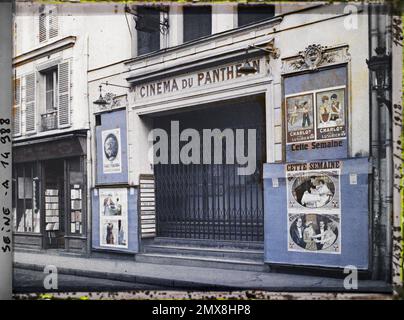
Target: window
point(51, 80)
point(197, 22)
point(252, 13)
point(17, 107)
point(54, 95)
point(97, 120)
point(148, 30)
point(26, 213)
point(48, 23)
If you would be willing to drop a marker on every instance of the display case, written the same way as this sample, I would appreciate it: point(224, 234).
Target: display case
point(76, 207)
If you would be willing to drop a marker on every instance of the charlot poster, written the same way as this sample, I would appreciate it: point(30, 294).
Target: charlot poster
point(314, 207)
point(111, 151)
point(318, 115)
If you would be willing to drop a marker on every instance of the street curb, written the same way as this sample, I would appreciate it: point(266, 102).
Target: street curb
point(179, 284)
point(195, 286)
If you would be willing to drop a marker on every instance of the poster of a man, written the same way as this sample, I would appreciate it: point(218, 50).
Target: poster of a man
point(314, 232)
point(111, 147)
point(331, 114)
point(111, 151)
point(299, 113)
point(296, 232)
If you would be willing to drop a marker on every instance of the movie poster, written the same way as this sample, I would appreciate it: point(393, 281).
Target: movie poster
point(310, 120)
point(331, 114)
point(113, 217)
point(314, 207)
point(314, 232)
point(300, 119)
point(111, 151)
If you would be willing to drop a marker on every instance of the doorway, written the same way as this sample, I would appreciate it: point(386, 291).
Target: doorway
point(213, 201)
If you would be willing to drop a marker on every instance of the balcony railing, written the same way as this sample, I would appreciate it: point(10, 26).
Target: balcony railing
point(49, 121)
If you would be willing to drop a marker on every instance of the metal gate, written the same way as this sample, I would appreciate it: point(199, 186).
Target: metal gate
point(212, 201)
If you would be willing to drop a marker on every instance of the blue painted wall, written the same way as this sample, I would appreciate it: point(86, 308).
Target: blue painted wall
point(354, 220)
point(317, 80)
point(112, 120)
point(133, 241)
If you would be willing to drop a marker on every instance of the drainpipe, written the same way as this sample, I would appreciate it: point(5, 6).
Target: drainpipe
point(382, 157)
point(389, 162)
point(89, 157)
point(375, 149)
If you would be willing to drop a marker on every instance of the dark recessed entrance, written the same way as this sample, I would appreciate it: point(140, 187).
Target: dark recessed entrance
point(54, 191)
point(213, 201)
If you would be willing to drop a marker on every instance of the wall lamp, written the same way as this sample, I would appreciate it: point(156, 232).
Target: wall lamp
point(273, 52)
point(380, 66)
point(101, 101)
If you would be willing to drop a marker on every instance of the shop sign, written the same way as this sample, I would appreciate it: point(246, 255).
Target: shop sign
point(201, 79)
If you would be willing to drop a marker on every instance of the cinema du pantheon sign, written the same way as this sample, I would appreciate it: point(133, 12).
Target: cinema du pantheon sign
point(204, 79)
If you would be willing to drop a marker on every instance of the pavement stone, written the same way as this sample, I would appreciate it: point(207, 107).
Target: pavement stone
point(186, 277)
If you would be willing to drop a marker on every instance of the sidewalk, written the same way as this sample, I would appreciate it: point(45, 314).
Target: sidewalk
point(183, 277)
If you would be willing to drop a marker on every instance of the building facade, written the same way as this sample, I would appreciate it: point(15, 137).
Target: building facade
point(234, 136)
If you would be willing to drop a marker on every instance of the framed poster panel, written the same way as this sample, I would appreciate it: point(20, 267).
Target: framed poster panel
point(113, 211)
point(111, 148)
point(316, 114)
point(317, 214)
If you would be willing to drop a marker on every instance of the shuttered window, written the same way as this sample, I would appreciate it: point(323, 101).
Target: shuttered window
point(64, 94)
point(53, 24)
point(17, 107)
point(250, 13)
point(148, 30)
point(197, 22)
point(48, 24)
point(30, 108)
point(42, 27)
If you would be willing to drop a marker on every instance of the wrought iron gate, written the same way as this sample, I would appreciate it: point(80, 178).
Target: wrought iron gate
point(211, 201)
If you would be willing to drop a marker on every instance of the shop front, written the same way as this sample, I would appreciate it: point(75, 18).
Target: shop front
point(49, 193)
point(204, 124)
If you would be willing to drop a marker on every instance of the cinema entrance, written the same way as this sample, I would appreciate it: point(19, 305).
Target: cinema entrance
point(214, 200)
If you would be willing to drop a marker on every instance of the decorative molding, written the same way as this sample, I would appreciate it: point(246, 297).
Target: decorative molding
point(315, 56)
point(44, 50)
point(114, 102)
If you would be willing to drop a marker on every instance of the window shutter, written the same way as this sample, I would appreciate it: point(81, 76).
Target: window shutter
point(53, 23)
point(30, 110)
point(17, 107)
point(42, 27)
point(64, 94)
